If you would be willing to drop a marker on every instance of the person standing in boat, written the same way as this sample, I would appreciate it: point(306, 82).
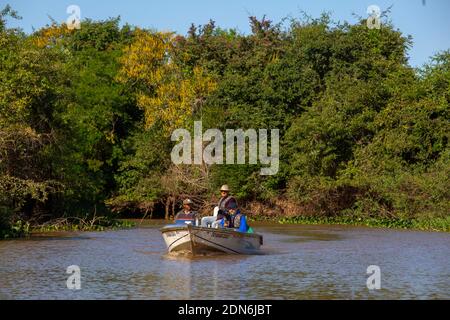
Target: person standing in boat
point(187, 215)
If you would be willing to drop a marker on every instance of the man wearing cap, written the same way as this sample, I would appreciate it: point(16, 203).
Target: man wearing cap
point(187, 215)
point(226, 201)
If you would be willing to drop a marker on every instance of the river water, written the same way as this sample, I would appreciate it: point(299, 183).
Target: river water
point(298, 262)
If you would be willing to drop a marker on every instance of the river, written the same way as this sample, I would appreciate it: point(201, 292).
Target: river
point(298, 262)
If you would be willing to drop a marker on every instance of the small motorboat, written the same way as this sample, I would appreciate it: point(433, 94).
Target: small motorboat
point(203, 240)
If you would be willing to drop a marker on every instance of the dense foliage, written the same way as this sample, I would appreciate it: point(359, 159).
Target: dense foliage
point(86, 118)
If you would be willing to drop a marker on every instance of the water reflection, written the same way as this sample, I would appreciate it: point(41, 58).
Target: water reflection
point(177, 278)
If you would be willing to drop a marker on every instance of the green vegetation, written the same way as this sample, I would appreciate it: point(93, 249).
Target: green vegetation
point(17, 230)
point(86, 118)
point(23, 229)
point(434, 224)
point(79, 224)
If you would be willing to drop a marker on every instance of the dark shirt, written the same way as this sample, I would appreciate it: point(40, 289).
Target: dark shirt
point(228, 202)
point(183, 216)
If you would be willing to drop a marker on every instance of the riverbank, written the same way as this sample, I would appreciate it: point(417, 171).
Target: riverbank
point(21, 229)
point(435, 224)
point(284, 211)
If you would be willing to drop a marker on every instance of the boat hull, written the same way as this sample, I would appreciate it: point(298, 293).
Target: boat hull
point(201, 240)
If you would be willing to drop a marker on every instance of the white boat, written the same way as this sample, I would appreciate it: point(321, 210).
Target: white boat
point(203, 240)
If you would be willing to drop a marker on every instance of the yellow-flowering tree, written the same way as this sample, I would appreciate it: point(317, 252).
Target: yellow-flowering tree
point(166, 92)
point(51, 34)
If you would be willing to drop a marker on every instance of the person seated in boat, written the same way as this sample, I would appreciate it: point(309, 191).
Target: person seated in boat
point(187, 215)
point(226, 200)
point(238, 220)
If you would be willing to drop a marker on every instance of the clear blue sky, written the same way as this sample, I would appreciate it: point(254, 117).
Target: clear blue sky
point(429, 24)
